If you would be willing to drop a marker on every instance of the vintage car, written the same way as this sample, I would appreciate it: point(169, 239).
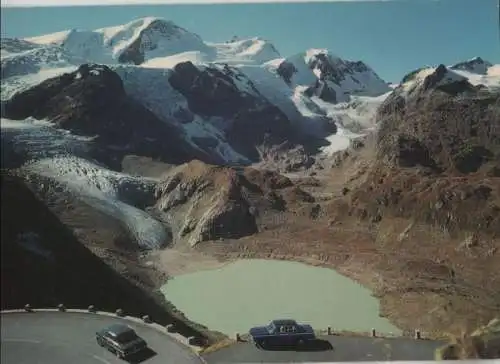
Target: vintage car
point(121, 340)
point(282, 332)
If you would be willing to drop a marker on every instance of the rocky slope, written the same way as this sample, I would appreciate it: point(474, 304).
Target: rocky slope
point(92, 102)
point(214, 203)
point(443, 134)
point(252, 122)
point(430, 187)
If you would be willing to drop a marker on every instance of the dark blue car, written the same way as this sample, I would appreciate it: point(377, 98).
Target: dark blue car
point(282, 332)
point(121, 340)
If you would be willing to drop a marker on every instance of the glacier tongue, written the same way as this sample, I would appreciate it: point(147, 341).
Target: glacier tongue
point(100, 188)
point(60, 156)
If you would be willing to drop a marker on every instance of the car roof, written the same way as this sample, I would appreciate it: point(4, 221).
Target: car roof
point(284, 322)
point(117, 329)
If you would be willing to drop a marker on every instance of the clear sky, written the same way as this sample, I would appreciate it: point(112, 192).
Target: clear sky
point(393, 37)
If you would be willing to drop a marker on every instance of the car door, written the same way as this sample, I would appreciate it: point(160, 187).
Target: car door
point(277, 335)
point(284, 334)
point(110, 343)
point(292, 334)
point(295, 333)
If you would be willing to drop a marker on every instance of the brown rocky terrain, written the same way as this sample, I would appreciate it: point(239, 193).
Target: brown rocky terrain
point(208, 202)
point(413, 214)
point(434, 190)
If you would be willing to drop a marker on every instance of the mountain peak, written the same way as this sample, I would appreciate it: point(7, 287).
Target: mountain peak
point(150, 19)
point(133, 42)
point(161, 24)
point(141, 24)
point(321, 73)
point(474, 65)
point(442, 76)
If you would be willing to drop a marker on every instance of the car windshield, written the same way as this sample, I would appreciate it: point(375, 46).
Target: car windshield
point(270, 327)
point(126, 336)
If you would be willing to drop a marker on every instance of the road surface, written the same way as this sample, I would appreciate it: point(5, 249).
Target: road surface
point(330, 348)
point(60, 338)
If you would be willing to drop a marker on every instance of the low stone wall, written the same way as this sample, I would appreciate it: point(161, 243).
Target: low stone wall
point(193, 343)
point(417, 334)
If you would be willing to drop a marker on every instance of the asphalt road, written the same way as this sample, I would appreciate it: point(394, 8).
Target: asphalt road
point(63, 338)
point(330, 348)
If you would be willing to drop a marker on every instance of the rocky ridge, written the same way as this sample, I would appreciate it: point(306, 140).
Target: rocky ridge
point(215, 203)
point(91, 101)
point(436, 156)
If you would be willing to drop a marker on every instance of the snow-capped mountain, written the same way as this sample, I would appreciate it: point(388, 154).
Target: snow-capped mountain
point(147, 54)
point(230, 100)
point(77, 102)
point(84, 100)
point(474, 65)
point(472, 73)
point(134, 42)
point(157, 42)
point(214, 93)
point(329, 77)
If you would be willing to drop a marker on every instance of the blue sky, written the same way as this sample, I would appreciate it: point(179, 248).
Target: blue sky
point(394, 37)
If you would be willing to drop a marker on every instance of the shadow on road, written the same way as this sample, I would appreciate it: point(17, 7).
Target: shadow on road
point(141, 356)
point(313, 345)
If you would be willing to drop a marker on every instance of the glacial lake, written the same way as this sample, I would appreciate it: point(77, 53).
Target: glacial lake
point(252, 292)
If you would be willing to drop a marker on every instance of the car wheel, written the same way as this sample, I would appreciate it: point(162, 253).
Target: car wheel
point(263, 343)
point(100, 343)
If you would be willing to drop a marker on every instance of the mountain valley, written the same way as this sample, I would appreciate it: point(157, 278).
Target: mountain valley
point(155, 153)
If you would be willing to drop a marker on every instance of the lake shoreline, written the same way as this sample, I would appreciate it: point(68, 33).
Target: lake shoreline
point(326, 303)
point(214, 255)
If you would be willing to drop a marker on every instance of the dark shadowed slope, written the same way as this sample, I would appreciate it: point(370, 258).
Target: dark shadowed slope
point(44, 264)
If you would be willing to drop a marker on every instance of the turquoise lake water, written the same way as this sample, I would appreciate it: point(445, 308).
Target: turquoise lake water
point(247, 293)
